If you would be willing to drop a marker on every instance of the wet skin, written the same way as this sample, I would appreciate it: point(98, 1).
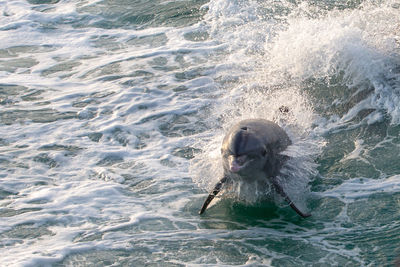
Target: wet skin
point(251, 150)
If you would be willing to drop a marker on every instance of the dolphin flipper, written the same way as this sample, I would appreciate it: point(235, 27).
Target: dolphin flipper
point(280, 190)
point(211, 196)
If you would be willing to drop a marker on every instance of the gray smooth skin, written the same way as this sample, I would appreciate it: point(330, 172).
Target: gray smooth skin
point(250, 151)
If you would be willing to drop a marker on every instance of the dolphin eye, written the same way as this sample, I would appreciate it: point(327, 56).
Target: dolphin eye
point(241, 159)
point(263, 152)
point(226, 153)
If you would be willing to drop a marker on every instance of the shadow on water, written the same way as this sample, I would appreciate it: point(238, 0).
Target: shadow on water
point(227, 214)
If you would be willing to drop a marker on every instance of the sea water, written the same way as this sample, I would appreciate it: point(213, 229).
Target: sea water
point(112, 114)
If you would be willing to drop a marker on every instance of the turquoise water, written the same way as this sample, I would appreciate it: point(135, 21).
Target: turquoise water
point(112, 114)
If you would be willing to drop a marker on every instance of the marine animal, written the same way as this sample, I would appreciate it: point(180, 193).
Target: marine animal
point(251, 150)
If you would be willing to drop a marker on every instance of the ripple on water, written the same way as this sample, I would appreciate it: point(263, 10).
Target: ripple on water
point(92, 98)
point(37, 116)
point(23, 232)
point(4, 194)
point(186, 152)
point(153, 41)
point(40, 2)
point(46, 159)
point(63, 70)
point(110, 160)
point(21, 63)
point(95, 137)
point(142, 15)
point(179, 125)
point(7, 212)
point(135, 257)
point(15, 51)
point(11, 94)
point(379, 208)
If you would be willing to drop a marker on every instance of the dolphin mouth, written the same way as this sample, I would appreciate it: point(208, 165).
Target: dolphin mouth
point(235, 167)
point(238, 164)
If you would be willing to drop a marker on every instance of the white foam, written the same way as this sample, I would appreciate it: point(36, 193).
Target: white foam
point(360, 43)
point(357, 153)
point(359, 188)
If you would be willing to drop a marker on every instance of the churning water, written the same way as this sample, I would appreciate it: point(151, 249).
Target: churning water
point(112, 114)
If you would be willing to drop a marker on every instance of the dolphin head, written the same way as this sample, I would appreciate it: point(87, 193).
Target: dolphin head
point(243, 152)
point(250, 151)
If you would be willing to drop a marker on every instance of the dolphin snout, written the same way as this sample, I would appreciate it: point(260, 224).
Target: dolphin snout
point(237, 163)
point(235, 167)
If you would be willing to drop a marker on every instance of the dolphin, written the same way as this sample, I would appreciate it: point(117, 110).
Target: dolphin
point(251, 150)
